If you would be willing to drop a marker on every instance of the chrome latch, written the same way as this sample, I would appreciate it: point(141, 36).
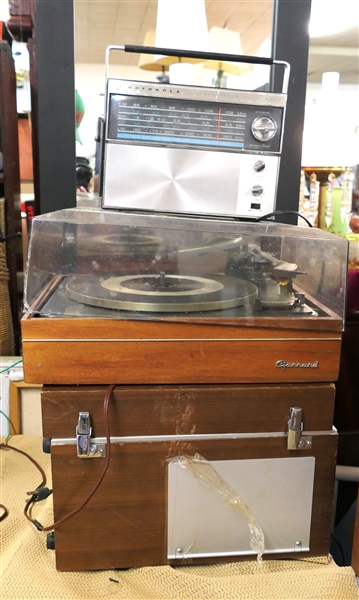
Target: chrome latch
point(85, 447)
point(297, 441)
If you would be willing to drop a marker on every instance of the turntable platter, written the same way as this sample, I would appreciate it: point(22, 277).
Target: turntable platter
point(130, 241)
point(161, 292)
point(121, 242)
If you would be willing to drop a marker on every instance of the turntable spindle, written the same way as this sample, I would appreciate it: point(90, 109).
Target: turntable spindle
point(162, 278)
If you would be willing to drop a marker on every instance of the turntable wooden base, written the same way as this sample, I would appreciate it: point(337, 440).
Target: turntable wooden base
point(102, 351)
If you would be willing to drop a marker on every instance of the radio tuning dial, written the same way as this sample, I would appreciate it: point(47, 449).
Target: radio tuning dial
point(264, 128)
point(257, 190)
point(259, 166)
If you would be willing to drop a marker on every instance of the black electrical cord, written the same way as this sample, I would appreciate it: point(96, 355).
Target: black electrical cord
point(283, 212)
point(5, 512)
point(39, 468)
point(37, 494)
point(340, 548)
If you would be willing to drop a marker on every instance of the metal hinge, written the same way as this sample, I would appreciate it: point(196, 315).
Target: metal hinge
point(85, 447)
point(297, 441)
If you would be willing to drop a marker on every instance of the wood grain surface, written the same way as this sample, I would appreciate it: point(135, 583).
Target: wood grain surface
point(172, 410)
point(125, 523)
point(181, 361)
point(190, 327)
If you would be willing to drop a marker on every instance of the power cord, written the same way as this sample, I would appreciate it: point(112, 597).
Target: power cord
point(35, 494)
point(42, 492)
point(341, 550)
point(5, 512)
point(9, 425)
point(11, 366)
point(283, 212)
point(89, 496)
point(8, 237)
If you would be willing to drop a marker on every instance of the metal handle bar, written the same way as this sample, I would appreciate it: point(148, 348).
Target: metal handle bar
point(197, 54)
point(256, 60)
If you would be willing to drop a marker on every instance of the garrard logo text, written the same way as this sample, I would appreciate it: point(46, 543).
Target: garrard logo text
point(282, 364)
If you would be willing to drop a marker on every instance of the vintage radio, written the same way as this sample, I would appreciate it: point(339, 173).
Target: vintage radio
point(187, 149)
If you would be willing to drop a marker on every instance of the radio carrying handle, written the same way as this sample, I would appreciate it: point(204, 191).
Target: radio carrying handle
point(254, 60)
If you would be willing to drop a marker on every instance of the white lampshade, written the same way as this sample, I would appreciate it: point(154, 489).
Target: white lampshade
point(225, 41)
point(181, 25)
point(328, 17)
point(181, 73)
point(330, 84)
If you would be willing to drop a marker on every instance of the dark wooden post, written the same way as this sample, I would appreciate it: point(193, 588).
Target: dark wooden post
point(11, 179)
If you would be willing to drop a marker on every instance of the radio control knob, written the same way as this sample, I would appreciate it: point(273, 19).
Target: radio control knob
point(264, 128)
point(259, 166)
point(257, 190)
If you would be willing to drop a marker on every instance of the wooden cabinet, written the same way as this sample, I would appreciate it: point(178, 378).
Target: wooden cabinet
point(134, 518)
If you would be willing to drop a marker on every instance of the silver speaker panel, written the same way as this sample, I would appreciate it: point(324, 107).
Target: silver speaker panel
point(278, 492)
point(187, 181)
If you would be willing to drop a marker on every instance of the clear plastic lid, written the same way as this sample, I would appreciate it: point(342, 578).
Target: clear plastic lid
point(91, 263)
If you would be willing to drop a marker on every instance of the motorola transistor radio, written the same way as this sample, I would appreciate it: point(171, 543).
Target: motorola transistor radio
point(186, 149)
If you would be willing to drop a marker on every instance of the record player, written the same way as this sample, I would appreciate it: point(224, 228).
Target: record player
point(168, 299)
point(222, 338)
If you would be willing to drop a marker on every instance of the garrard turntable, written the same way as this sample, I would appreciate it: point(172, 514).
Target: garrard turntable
point(168, 299)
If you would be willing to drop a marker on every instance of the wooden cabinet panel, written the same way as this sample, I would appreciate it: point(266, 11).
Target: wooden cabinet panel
point(125, 522)
point(186, 409)
point(25, 149)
